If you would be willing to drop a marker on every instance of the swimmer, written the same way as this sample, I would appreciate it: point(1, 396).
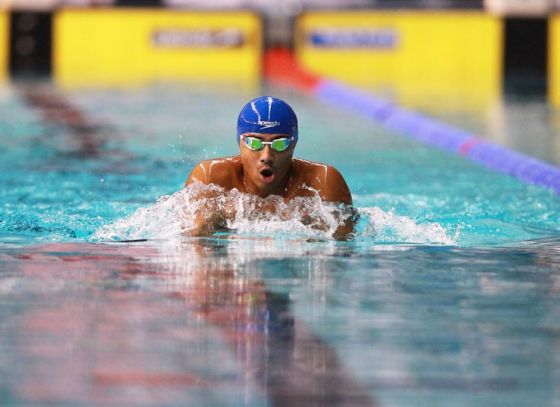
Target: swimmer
point(267, 134)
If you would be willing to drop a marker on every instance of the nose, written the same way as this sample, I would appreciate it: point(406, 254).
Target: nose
point(267, 155)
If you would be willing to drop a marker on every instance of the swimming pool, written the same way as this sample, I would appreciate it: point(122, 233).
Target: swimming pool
point(448, 295)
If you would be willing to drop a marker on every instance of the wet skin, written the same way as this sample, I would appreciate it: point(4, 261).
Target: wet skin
point(269, 172)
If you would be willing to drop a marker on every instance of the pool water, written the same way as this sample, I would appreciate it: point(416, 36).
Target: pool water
point(448, 295)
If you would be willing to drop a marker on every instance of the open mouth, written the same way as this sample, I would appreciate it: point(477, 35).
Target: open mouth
point(267, 175)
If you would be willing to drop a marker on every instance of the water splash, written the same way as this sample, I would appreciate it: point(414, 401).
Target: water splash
point(172, 218)
point(391, 228)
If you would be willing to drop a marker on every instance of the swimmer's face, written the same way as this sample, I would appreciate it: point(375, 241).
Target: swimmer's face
point(266, 171)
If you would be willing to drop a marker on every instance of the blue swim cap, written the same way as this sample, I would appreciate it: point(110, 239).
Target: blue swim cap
point(267, 114)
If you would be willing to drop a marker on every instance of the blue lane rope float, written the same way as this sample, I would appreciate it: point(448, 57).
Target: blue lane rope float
point(435, 133)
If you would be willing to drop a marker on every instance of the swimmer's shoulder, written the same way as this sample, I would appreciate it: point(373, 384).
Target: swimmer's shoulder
point(324, 178)
point(220, 171)
point(313, 173)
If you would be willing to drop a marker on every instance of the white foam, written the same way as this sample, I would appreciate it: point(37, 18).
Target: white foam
point(389, 227)
point(172, 218)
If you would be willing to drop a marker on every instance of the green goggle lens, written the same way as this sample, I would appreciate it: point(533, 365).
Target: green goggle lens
point(280, 144)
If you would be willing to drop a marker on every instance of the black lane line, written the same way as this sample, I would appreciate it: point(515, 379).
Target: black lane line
point(56, 110)
point(300, 369)
point(296, 367)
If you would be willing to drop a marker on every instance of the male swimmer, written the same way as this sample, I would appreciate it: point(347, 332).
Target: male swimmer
point(267, 134)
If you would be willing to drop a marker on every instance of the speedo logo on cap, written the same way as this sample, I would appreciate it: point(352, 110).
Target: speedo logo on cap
point(266, 124)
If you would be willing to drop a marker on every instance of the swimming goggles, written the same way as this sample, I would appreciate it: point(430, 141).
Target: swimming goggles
point(256, 144)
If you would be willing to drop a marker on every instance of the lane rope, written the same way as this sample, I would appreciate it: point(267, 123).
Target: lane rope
point(281, 67)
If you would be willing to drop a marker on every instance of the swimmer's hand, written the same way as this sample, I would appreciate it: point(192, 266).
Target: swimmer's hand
point(347, 231)
point(208, 225)
point(211, 214)
point(347, 216)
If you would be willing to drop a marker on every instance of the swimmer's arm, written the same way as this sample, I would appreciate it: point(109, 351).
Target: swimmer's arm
point(208, 224)
point(336, 190)
point(204, 223)
point(211, 218)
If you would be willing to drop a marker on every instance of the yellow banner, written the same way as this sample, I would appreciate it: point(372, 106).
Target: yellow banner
point(136, 46)
point(554, 60)
point(4, 44)
point(417, 57)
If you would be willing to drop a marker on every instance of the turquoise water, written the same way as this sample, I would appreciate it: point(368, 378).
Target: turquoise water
point(447, 296)
point(61, 184)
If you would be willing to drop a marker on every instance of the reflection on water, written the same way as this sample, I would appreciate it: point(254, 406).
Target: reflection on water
point(144, 325)
point(286, 317)
point(281, 322)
